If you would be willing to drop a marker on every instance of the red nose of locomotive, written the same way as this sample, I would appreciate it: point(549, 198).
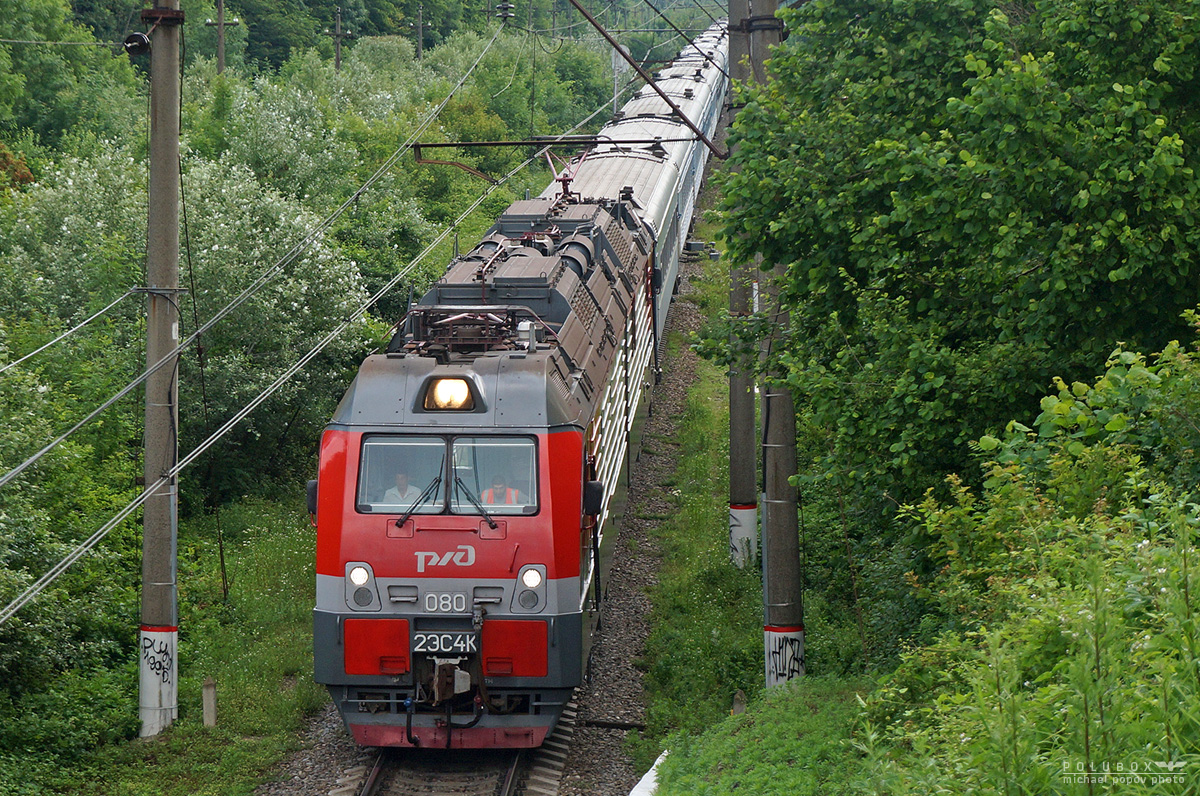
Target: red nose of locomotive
point(448, 579)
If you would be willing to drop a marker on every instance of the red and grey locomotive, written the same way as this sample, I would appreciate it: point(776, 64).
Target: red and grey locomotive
point(466, 478)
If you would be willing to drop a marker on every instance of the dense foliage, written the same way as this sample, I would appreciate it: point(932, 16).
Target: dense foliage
point(969, 198)
point(54, 90)
point(1069, 637)
point(1065, 627)
point(976, 203)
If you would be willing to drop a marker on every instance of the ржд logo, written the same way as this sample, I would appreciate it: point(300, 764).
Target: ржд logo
point(463, 556)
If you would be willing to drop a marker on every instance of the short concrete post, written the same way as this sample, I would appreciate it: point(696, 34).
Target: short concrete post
point(210, 702)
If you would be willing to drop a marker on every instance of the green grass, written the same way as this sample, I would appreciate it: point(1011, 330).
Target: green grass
point(706, 636)
point(706, 639)
point(792, 742)
point(258, 649)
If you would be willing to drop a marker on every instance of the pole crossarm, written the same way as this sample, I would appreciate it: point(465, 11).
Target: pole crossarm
point(162, 16)
point(757, 24)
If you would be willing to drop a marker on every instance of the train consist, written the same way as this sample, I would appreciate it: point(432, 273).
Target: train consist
point(467, 477)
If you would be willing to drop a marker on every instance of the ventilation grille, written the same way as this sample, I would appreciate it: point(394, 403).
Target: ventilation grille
point(584, 306)
point(623, 246)
point(560, 383)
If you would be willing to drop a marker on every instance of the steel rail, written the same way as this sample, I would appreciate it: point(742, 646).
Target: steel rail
point(508, 787)
point(373, 780)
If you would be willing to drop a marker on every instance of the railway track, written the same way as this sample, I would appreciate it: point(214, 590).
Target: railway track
point(428, 772)
point(444, 773)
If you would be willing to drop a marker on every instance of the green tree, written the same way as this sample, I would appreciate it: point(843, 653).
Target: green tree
point(238, 229)
point(967, 202)
point(109, 20)
point(50, 88)
point(275, 29)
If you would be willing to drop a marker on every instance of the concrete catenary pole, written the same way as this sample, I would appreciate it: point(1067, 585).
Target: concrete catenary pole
point(158, 667)
point(420, 31)
point(783, 626)
point(220, 36)
point(755, 24)
point(743, 453)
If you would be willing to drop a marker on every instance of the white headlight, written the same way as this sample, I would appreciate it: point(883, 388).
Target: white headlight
point(359, 575)
point(531, 578)
point(449, 394)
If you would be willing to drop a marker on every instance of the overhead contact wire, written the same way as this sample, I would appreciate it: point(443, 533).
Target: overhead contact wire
point(60, 43)
point(686, 38)
point(67, 334)
point(258, 283)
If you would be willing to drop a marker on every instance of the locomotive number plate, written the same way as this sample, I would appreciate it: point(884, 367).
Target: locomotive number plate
point(454, 643)
point(440, 602)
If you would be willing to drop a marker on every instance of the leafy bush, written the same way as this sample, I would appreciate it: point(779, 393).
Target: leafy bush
point(1069, 637)
point(968, 199)
point(52, 90)
point(236, 223)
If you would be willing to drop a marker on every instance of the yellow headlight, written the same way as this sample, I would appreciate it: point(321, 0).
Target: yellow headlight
point(449, 394)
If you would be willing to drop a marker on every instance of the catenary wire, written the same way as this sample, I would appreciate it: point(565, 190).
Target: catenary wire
point(259, 282)
point(706, 12)
point(60, 43)
point(598, 15)
point(573, 25)
point(67, 334)
point(50, 576)
point(516, 63)
point(686, 38)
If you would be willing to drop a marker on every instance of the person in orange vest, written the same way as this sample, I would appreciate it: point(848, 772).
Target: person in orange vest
point(502, 493)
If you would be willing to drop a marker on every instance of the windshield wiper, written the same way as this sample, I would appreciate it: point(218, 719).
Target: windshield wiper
point(478, 506)
point(425, 493)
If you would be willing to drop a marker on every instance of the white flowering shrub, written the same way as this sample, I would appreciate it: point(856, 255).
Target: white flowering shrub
point(283, 133)
point(238, 231)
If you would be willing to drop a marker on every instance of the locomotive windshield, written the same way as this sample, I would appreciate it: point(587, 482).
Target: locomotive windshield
point(498, 473)
point(398, 474)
